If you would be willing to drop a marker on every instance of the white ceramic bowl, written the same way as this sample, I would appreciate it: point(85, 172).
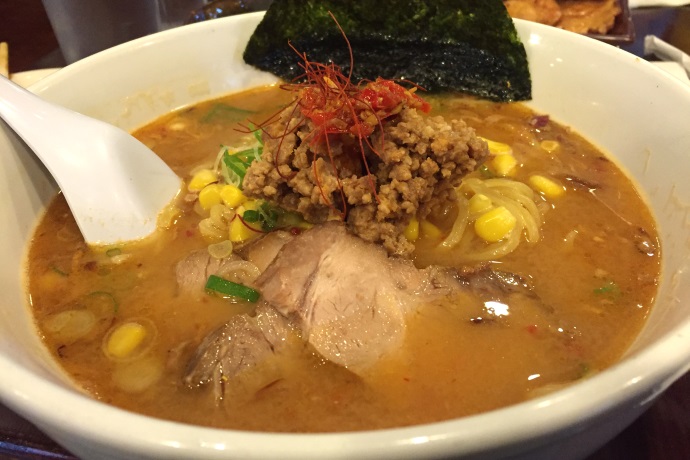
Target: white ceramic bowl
point(623, 104)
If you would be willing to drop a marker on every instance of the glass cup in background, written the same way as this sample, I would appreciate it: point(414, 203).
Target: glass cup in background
point(173, 13)
point(84, 27)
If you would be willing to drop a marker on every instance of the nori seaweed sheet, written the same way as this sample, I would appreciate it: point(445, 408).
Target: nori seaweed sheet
point(447, 45)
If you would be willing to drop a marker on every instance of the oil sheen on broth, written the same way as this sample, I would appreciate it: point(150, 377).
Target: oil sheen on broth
point(594, 271)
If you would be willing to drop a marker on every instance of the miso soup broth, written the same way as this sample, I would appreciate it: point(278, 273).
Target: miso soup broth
point(117, 321)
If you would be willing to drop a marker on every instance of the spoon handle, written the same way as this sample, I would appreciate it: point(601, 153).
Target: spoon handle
point(51, 131)
point(114, 184)
point(25, 113)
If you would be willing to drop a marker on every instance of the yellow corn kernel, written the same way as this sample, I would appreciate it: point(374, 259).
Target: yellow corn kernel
point(480, 203)
point(412, 230)
point(210, 196)
point(201, 179)
point(504, 165)
point(495, 225)
point(240, 230)
point(546, 186)
point(125, 339)
point(498, 148)
point(550, 146)
point(429, 230)
point(232, 196)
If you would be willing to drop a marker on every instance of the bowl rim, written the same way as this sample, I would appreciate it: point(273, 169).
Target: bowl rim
point(638, 374)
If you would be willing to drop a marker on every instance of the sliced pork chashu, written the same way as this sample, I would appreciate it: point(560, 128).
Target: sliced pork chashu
point(346, 299)
point(344, 296)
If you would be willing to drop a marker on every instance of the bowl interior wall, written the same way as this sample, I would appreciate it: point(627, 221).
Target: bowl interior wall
point(633, 125)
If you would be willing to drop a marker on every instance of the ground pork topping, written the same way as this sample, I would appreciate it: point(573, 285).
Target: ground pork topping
point(378, 183)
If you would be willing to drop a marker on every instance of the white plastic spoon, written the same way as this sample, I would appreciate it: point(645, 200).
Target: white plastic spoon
point(114, 184)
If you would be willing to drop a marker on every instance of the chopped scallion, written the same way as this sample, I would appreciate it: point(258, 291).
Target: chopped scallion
point(236, 164)
point(610, 288)
point(584, 370)
point(486, 172)
point(269, 216)
point(251, 215)
point(265, 214)
point(225, 113)
point(102, 301)
point(257, 135)
point(59, 271)
point(228, 288)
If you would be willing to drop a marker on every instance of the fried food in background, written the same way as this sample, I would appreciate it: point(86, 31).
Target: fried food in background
point(542, 11)
point(590, 16)
point(4, 60)
point(581, 16)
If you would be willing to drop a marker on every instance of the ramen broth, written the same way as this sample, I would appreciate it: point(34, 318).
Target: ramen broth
point(595, 271)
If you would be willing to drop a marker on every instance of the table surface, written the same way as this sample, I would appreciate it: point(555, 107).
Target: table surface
point(663, 432)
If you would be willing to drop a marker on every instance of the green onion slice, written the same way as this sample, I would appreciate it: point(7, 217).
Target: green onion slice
point(101, 302)
point(486, 172)
point(59, 271)
point(609, 287)
point(251, 215)
point(257, 135)
point(227, 113)
point(266, 214)
point(236, 163)
point(112, 252)
point(228, 288)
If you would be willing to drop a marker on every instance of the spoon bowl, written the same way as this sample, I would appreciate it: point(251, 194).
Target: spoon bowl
point(115, 186)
